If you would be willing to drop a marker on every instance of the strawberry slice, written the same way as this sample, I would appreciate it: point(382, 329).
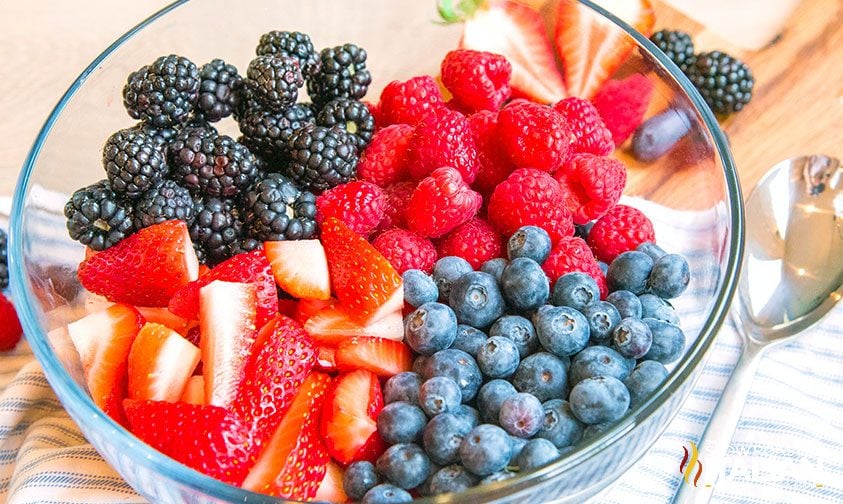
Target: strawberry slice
point(300, 268)
point(349, 418)
point(227, 314)
point(206, 438)
point(145, 269)
point(160, 363)
point(307, 308)
point(326, 359)
point(295, 459)
point(364, 281)
point(167, 318)
point(517, 32)
point(331, 489)
point(251, 267)
point(381, 356)
point(590, 46)
point(332, 325)
point(103, 341)
point(194, 391)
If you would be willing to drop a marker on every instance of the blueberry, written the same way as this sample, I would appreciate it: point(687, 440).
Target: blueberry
point(576, 290)
point(430, 327)
point(668, 341)
point(359, 478)
point(469, 339)
point(659, 134)
point(498, 357)
point(651, 249)
point(536, 453)
point(516, 444)
point(603, 267)
point(405, 465)
point(452, 479)
point(401, 422)
point(593, 431)
point(602, 319)
point(670, 276)
point(485, 449)
point(519, 330)
point(524, 284)
point(498, 476)
point(655, 307)
point(439, 394)
point(386, 494)
point(561, 427)
point(476, 299)
point(629, 271)
point(458, 366)
point(467, 414)
point(424, 488)
point(632, 338)
point(627, 303)
point(494, 267)
point(598, 361)
point(419, 363)
point(599, 399)
point(402, 387)
point(446, 271)
point(644, 380)
point(442, 437)
point(561, 330)
point(532, 242)
point(542, 374)
point(419, 288)
point(490, 398)
point(521, 415)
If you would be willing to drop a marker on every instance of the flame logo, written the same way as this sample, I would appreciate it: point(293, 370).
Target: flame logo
point(686, 467)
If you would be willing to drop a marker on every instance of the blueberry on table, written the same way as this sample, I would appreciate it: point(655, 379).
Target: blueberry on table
point(498, 357)
point(602, 318)
point(598, 360)
point(657, 308)
point(656, 136)
point(532, 242)
point(402, 387)
point(518, 329)
point(442, 438)
point(599, 399)
point(521, 415)
point(542, 374)
point(490, 398)
point(456, 365)
point(446, 271)
point(404, 465)
point(524, 284)
point(644, 380)
point(668, 341)
point(430, 328)
point(670, 276)
point(629, 271)
point(561, 330)
point(401, 422)
point(476, 299)
point(439, 394)
point(359, 478)
point(651, 249)
point(536, 453)
point(469, 339)
point(576, 290)
point(386, 494)
point(485, 450)
point(419, 288)
point(494, 267)
point(632, 338)
point(452, 479)
point(627, 303)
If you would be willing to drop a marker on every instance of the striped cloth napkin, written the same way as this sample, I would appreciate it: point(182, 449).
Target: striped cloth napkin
point(786, 448)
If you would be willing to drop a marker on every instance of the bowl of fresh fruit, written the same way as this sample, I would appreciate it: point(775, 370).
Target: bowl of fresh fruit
point(469, 251)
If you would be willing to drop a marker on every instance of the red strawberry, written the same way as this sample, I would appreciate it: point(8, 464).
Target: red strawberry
point(493, 161)
point(384, 357)
point(592, 47)
point(572, 254)
point(331, 488)
point(326, 359)
point(145, 269)
point(443, 138)
point(366, 285)
point(160, 363)
point(409, 101)
point(194, 391)
point(358, 204)
point(10, 329)
point(440, 203)
point(306, 308)
point(332, 326)
point(517, 32)
point(587, 127)
point(384, 161)
point(623, 228)
point(591, 185)
point(478, 80)
point(167, 318)
point(533, 135)
point(406, 250)
point(349, 418)
point(396, 198)
point(300, 268)
point(251, 267)
point(623, 103)
point(475, 241)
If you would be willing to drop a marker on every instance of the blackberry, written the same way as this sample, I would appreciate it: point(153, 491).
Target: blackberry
point(343, 74)
point(217, 98)
point(164, 93)
point(276, 209)
point(244, 100)
point(216, 228)
point(275, 80)
point(268, 133)
point(244, 245)
point(98, 217)
point(677, 45)
point(351, 115)
point(321, 158)
point(165, 201)
point(212, 165)
point(293, 44)
point(4, 264)
point(133, 161)
point(161, 135)
point(723, 81)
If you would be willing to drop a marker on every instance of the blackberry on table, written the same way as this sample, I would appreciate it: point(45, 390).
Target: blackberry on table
point(165, 201)
point(343, 74)
point(276, 209)
point(163, 93)
point(268, 133)
point(161, 135)
point(134, 161)
point(4, 264)
point(275, 80)
point(321, 158)
point(293, 44)
point(351, 115)
point(98, 217)
point(246, 244)
point(217, 98)
point(212, 165)
point(216, 227)
point(724, 82)
point(244, 100)
point(677, 45)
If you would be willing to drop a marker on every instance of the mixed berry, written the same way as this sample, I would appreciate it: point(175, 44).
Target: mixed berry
point(10, 328)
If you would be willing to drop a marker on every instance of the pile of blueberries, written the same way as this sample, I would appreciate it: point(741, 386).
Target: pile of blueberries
point(510, 374)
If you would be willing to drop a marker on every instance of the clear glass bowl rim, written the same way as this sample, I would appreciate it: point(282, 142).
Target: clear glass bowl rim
point(81, 406)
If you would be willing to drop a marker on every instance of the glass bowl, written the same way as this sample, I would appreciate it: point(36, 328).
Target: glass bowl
point(691, 194)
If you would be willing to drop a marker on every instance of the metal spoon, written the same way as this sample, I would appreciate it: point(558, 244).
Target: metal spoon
point(792, 276)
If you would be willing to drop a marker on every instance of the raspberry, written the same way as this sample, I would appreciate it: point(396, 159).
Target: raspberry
point(530, 197)
point(441, 202)
point(443, 138)
point(384, 162)
point(573, 254)
point(409, 101)
point(590, 133)
point(591, 185)
point(623, 228)
point(533, 135)
point(396, 198)
point(358, 204)
point(478, 80)
point(406, 250)
point(475, 241)
point(622, 104)
point(493, 163)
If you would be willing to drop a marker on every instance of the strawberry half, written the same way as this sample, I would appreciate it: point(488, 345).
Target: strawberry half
point(194, 391)
point(349, 418)
point(295, 459)
point(332, 325)
point(300, 268)
point(331, 489)
point(592, 47)
point(145, 269)
point(381, 356)
point(160, 363)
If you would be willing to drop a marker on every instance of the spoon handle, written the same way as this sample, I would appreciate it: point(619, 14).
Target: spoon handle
point(710, 463)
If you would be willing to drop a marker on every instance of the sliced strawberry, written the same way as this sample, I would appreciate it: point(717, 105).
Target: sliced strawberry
point(592, 47)
point(326, 359)
point(300, 268)
point(349, 418)
point(332, 325)
point(227, 314)
point(206, 438)
point(294, 461)
point(307, 308)
point(288, 307)
point(331, 489)
point(367, 286)
point(194, 391)
point(160, 363)
point(167, 318)
point(381, 356)
point(251, 267)
point(103, 341)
